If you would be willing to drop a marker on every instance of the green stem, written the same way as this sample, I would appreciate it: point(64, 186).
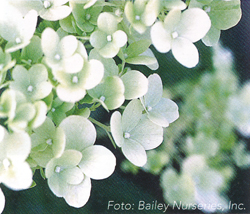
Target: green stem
point(106, 128)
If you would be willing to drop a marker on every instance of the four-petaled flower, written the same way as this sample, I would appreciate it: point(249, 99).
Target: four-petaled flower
point(107, 39)
point(178, 32)
point(135, 133)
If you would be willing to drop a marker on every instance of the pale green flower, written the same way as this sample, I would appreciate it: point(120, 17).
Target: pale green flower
point(110, 92)
point(59, 110)
point(15, 172)
point(21, 113)
point(178, 32)
point(72, 87)
point(134, 133)
point(33, 83)
point(15, 28)
point(161, 111)
point(69, 175)
point(86, 19)
point(62, 55)
point(51, 10)
point(223, 15)
point(142, 13)
point(47, 142)
point(177, 187)
point(107, 39)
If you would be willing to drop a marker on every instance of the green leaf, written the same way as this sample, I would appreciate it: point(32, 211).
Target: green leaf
point(137, 48)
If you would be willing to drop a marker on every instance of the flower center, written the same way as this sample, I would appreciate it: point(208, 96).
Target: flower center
point(102, 98)
point(137, 17)
point(174, 35)
point(30, 88)
point(1, 66)
point(57, 57)
point(207, 8)
point(126, 135)
point(109, 38)
point(6, 163)
point(57, 169)
point(88, 16)
point(75, 79)
point(49, 142)
point(46, 4)
point(53, 109)
point(18, 40)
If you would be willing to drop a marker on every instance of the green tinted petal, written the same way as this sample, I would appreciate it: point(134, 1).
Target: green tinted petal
point(50, 41)
point(107, 23)
point(154, 93)
point(194, 24)
point(119, 38)
point(80, 132)
point(97, 162)
point(55, 13)
point(78, 195)
point(116, 128)
point(131, 115)
point(72, 176)
point(136, 84)
point(39, 118)
point(148, 134)
point(134, 152)
point(98, 39)
point(212, 37)
point(68, 46)
point(70, 94)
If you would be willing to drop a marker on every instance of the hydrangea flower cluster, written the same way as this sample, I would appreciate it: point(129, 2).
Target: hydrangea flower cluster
point(60, 60)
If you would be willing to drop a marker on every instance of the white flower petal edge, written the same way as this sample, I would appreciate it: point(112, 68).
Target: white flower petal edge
point(2, 201)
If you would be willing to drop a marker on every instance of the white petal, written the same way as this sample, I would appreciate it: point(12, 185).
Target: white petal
point(131, 115)
point(49, 42)
point(107, 22)
point(73, 64)
point(80, 132)
point(29, 24)
point(72, 176)
point(68, 46)
point(116, 128)
point(185, 52)
point(161, 38)
point(2, 201)
point(78, 195)
point(134, 152)
point(155, 88)
point(18, 177)
point(95, 73)
point(136, 84)
point(165, 112)
point(194, 24)
point(97, 162)
point(57, 13)
point(148, 134)
point(70, 94)
point(119, 38)
point(18, 146)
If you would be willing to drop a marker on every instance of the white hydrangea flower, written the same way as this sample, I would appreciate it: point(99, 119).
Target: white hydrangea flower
point(179, 31)
point(69, 175)
point(15, 28)
point(161, 111)
point(135, 133)
point(15, 172)
point(51, 10)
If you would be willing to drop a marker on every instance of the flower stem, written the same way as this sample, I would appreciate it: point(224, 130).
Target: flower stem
point(106, 128)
